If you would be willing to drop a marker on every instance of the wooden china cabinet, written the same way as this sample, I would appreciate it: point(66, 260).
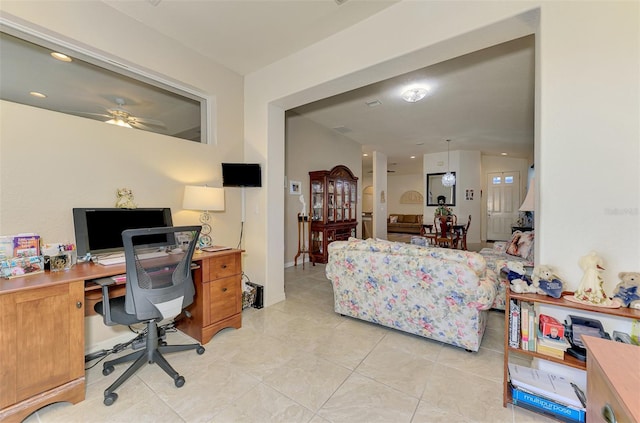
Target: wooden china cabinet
point(334, 200)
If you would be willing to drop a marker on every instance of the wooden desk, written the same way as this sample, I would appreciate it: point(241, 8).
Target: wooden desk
point(613, 378)
point(42, 327)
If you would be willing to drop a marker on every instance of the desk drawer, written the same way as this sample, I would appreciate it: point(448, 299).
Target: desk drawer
point(225, 300)
point(224, 266)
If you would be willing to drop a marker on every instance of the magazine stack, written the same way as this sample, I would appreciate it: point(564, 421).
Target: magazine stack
point(547, 393)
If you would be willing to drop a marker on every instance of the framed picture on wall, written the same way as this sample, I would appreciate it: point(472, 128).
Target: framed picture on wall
point(295, 187)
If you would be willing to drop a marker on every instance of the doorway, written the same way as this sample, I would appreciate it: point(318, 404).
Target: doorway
point(503, 200)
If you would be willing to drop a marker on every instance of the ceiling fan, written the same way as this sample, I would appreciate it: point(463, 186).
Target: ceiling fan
point(122, 117)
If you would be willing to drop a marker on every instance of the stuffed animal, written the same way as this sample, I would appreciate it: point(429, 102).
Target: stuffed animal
point(546, 282)
point(519, 282)
point(627, 292)
point(590, 290)
point(125, 199)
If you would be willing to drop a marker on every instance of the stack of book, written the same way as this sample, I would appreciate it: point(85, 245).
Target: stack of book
point(547, 393)
point(551, 340)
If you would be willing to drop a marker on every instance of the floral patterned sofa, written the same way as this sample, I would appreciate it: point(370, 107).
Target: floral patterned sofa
point(519, 248)
point(432, 292)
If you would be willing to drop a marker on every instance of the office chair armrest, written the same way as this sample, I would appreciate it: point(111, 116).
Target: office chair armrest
point(105, 283)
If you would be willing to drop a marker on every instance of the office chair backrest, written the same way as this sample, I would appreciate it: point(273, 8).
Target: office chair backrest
point(158, 287)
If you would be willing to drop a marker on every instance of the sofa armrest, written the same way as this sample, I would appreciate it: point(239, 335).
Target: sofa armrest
point(487, 291)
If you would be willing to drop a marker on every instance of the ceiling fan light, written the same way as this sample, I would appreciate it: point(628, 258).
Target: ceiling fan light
point(119, 122)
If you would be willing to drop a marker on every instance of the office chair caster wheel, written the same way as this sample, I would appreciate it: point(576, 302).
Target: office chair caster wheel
point(108, 370)
point(179, 382)
point(110, 398)
point(200, 350)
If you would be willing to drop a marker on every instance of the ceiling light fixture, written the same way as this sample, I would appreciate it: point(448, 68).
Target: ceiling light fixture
point(448, 179)
point(118, 121)
point(61, 57)
point(37, 94)
point(414, 94)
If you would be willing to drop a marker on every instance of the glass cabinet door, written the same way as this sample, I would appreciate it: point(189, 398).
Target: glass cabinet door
point(317, 194)
point(353, 201)
point(347, 200)
point(332, 201)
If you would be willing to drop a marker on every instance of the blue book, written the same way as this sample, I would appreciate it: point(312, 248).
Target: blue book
point(537, 403)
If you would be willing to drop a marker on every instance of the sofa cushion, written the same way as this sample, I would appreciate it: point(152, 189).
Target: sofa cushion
point(393, 218)
point(473, 260)
point(521, 245)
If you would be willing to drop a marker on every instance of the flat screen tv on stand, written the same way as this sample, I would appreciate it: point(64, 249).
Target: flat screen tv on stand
point(99, 230)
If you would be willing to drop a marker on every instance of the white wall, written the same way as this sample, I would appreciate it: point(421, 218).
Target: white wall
point(580, 125)
point(51, 162)
point(310, 147)
point(380, 194)
point(398, 185)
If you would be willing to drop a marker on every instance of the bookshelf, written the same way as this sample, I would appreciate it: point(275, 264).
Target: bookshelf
point(568, 360)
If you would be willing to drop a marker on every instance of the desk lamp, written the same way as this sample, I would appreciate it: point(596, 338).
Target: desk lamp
point(206, 199)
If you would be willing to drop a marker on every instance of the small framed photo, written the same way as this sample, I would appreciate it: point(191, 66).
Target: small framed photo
point(295, 187)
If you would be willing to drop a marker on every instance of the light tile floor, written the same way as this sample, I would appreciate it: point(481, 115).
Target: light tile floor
point(298, 361)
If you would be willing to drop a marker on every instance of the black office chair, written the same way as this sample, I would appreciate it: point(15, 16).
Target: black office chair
point(156, 289)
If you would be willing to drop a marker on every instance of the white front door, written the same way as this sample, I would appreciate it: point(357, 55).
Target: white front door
point(503, 201)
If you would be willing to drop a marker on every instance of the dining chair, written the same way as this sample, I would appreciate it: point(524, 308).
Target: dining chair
point(446, 235)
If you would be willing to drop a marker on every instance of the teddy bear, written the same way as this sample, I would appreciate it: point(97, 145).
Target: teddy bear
point(546, 282)
point(519, 282)
point(125, 199)
point(627, 292)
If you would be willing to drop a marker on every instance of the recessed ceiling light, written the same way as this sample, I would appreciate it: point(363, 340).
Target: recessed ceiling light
point(61, 57)
point(365, 155)
point(373, 103)
point(415, 93)
point(503, 154)
point(37, 94)
point(413, 157)
point(419, 143)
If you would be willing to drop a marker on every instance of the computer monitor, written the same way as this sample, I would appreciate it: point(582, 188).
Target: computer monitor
point(99, 230)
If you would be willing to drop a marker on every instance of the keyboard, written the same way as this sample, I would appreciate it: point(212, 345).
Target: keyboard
point(112, 259)
point(153, 254)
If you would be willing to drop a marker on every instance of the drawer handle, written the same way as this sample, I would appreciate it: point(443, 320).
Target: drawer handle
point(224, 266)
point(78, 304)
point(224, 289)
point(608, 414)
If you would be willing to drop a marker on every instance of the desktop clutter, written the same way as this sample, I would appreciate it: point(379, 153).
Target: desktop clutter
point(23, 254)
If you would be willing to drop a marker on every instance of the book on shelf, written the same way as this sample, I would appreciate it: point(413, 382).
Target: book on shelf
point(532, 328)
point(560, 344)
point(537, 403)
point(547, 385)
point(524, 326)
point(550, 351)
point(514, 323)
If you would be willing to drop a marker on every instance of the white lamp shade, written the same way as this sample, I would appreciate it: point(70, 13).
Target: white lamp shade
point(203, 198)
point(529, 203)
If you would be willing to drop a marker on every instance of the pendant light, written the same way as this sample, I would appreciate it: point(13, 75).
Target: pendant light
point(448, 179)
